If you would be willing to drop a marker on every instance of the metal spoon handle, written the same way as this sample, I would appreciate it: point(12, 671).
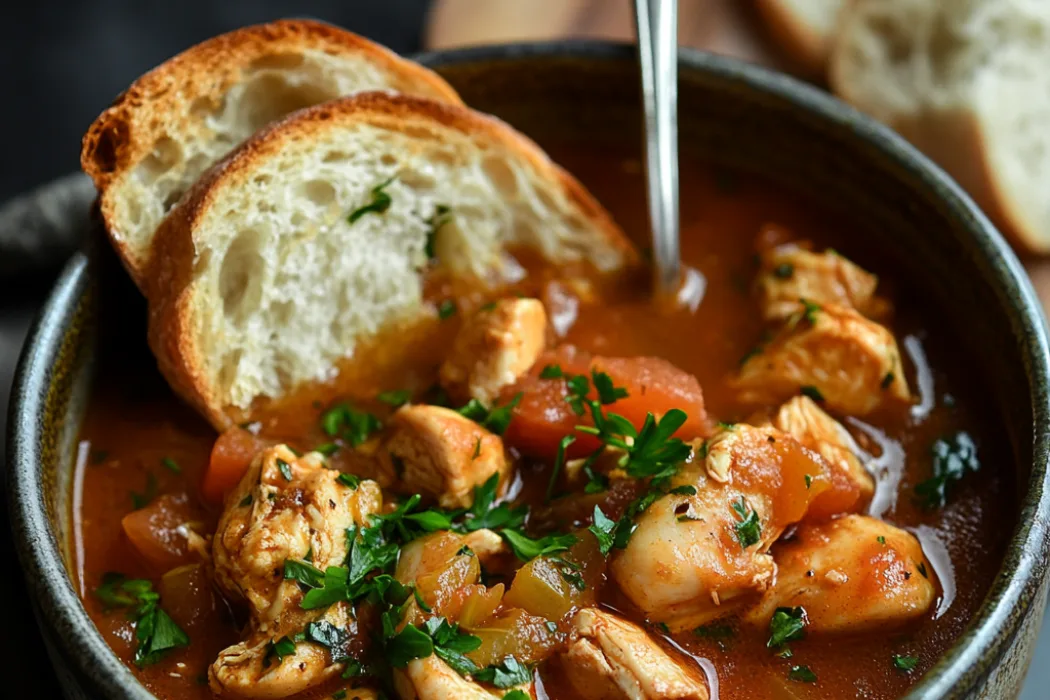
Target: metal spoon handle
point(657, 22)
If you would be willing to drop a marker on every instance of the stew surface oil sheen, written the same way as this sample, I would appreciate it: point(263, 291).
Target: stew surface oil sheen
point(144, 455)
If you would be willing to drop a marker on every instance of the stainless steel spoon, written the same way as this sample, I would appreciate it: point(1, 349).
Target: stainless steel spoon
point(657, 24)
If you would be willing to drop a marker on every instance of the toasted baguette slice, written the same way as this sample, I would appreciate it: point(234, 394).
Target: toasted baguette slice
point(805, 29)
point(262, 284)
point(175, 121)
point(967, 83)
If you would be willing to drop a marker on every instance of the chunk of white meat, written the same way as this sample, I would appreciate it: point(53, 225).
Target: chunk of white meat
point(686, 562)
point(285, 507)
point(612, 659)
point(435, 451)
point(803, 419)
point(790, 272)
point(851, 362)
point(851, 575)
point(431, 678)
point(493, 349)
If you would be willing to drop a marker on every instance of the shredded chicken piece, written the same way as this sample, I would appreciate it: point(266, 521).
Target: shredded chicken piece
point(802, 418)
point(612, 659)
point(493, 349)
point(436, 451)
point(851, 575)
point(285, 507)
point(831, 352)
point(790, 272)
point(431, 678)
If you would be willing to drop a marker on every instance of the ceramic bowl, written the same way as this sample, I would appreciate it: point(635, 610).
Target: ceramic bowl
point(731, 114)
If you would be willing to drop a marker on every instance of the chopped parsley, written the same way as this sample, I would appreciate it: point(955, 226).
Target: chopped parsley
point(246, 501)
point(551, 372)
point(905, 664)
point(809, 480)
point(570, 572)
point(155, 632)
point(603, 528)
point(812, 392)
point(784, 271)
point(596, 481)
point(527, 548)
point(496, 420)
point(506, 674)
point(446, 308)
point(607, 393)
point(349, 480)
point(171, 465)
point(715, 632)
point(327, 635)
point(881, 539)
point(477, 449)
point(352, 425)
point(887, 380)
point(953, 458)
point(483, 514)
point(379, 203)
point(748, 528)
point(408, 644)
point(285, 469)
point(517, 694)
point(559, 463)
point(394, 398)
point(306, 574)
point(786, 625)
point(803, 674)
point(141, 500)
point(327, 449)
point(807, 313)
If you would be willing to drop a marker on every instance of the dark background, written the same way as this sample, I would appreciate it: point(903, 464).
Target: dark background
point(61, 63)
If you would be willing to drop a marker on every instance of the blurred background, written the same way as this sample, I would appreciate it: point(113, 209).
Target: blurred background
point(65, 61)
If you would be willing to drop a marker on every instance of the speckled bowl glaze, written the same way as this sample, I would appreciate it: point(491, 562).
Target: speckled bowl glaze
point(732, 114)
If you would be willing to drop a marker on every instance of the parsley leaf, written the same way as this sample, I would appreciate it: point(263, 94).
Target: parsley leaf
point(155, 631)
point(526, 548)
point(603, 528)
point(395, 398)
point(905, 663)
point(408, 644)
point(380, 202)
point(603, 384)
point(499, 417)
point(506, 674)
point(327, 635)
point(285, 469)
point(280, 648)
point(784, 271)
point(306, 574)
point(953, 458)
point(517, 694)
point(349, 480)
point(786, 625)
point(748, 528)
point(484, 515)
point(559, 462)
point(551, 372)
point(446, 308)
point(171, 465)
point(812, 392)
point(803, 674)
point(354, 426)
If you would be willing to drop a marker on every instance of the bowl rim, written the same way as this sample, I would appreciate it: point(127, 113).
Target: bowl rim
point(967, 662)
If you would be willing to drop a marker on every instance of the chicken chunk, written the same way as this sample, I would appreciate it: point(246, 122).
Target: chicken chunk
point(431, 678)
point(697, 556)
point(438, 452)
point(493, 348)
point(855, 574)
point(830, 352)
point(285, 508)
point(612, 658)
point(790, 272)
point(803, 419)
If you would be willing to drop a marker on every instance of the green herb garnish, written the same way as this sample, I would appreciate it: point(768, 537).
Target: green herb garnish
point(380, 202)
point(748, 528)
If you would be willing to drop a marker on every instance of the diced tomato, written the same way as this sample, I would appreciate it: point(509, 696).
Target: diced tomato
point(544, 417)
point(230, 458)
point(154, 530)
point(841, 496)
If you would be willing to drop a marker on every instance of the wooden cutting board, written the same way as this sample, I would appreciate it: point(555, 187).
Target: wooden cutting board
point(729, 27)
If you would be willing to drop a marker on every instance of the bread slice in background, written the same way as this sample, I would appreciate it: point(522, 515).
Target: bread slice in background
point(174, 122)
point(261, 285)
point(804, 29)
point(968, 82)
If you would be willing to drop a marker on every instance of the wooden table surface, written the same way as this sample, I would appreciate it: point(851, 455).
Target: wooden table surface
point(729, 27)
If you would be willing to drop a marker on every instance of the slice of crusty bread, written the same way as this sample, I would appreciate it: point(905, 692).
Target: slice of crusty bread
point(181, 117)
point(262, 284)
point(805, 29)
point(966, 81)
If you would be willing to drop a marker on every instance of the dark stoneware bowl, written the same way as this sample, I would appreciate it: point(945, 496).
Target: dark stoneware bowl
point(731, 114)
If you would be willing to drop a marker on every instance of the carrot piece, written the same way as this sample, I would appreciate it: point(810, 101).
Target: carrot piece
point(544, 417)
point(230, 458)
